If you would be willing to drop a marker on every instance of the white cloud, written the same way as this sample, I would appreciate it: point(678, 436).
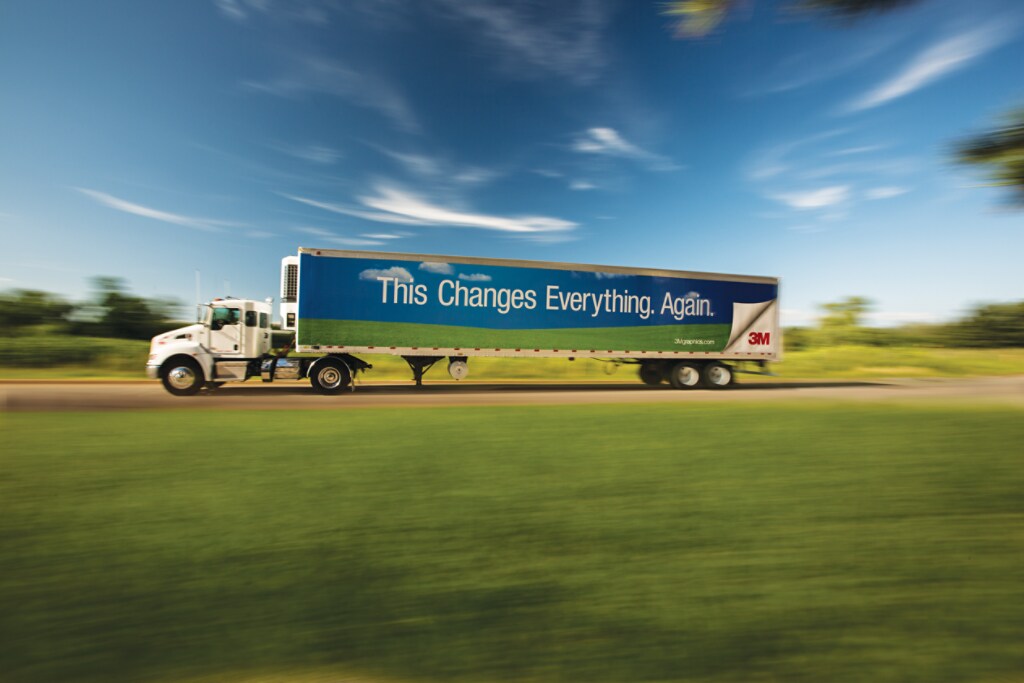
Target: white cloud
point(393, 205)
point(438, 169)
point(933, 63)
point(382, 236)
point(317, 154)
point(475, 277)
point(313, 75)
point(391, 201)
point(208, 224)
point(608, 142)
point(232, 9)
point(331, 238)
point(847, 151)
point(316, 232)
point(812, 67)
point(397, 272)
point(774, 160)
point(437, 268)
point(531, 39)
point(416, 164)
point(815, 199)
point(358, 213)
point(474, 175)
point(547, 173)
point(885, 192)
point(582, 185)
point(610, 276)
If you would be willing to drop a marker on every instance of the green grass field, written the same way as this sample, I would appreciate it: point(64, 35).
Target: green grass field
point(744, 543)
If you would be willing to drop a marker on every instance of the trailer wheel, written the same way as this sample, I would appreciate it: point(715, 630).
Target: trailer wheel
point(684, 375)
point(330, 376)
point(182, 376)
point(652, 374)
point(717, 375)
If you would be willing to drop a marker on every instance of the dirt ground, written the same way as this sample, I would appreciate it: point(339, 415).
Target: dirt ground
point(85, 395)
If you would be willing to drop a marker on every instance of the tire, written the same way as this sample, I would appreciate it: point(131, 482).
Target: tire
point(652, 374)
point(684, 375)
point(329, 376)
point(182, 376)
point(717, 376)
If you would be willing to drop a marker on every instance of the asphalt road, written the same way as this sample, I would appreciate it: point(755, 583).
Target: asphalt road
point(46, 395)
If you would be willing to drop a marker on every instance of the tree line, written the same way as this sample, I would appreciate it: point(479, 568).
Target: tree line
point(112, 312)
point(995, 325)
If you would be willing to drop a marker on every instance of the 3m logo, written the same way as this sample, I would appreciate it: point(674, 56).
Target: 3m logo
point(759, 338)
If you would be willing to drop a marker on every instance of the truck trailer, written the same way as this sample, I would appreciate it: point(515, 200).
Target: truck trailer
point(692, 330)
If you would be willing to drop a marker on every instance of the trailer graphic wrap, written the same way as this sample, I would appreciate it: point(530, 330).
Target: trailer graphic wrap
point(388, 302)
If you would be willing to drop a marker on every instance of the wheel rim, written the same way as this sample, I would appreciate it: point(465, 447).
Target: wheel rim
point(688, 376)
point(719, 375)
point(330, 378)
point(181, 377)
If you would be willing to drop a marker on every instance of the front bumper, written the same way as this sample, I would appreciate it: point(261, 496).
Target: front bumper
point(152, 371)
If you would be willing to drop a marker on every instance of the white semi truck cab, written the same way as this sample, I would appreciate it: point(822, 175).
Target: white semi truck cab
point(231, 335)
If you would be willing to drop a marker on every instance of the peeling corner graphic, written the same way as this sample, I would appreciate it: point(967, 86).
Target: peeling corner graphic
point(754, 328)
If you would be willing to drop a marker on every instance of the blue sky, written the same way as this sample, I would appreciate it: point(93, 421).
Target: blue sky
point(151, 140)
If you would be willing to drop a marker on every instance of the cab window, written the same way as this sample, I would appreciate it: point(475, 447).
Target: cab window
point(264, 320)
point(224, 316)
point(250, 318)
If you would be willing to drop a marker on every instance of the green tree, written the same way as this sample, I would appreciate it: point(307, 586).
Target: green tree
point(992, 325)
point(113, 312)
point(1001, 150)
point(842, 322)
point(848, 313)
point(22, 308)
point(695, 18)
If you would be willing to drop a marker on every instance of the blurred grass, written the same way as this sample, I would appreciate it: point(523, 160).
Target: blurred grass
point(64, 357)
point(784, 542)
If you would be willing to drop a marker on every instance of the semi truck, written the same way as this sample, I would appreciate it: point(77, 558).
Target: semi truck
point(689, 329)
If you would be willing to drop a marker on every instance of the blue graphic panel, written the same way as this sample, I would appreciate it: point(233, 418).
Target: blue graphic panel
point(508, 297)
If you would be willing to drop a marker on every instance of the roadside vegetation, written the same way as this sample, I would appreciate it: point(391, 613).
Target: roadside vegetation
point(785, 542)
point(106, 337)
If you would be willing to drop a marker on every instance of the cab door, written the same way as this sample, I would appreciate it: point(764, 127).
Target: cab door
point(225, 330)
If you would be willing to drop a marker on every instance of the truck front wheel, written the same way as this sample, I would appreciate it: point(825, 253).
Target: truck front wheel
point(330, 376)
point(182, 376)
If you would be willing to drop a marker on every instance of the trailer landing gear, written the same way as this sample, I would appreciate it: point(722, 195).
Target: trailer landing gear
point(419, 366)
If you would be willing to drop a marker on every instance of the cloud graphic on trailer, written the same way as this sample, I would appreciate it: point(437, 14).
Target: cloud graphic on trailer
point(436, 268)
point(692, 295)
point(475, 277)
point(400, 274)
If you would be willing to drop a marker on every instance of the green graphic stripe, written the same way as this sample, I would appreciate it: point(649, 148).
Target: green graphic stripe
point(313, 332)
